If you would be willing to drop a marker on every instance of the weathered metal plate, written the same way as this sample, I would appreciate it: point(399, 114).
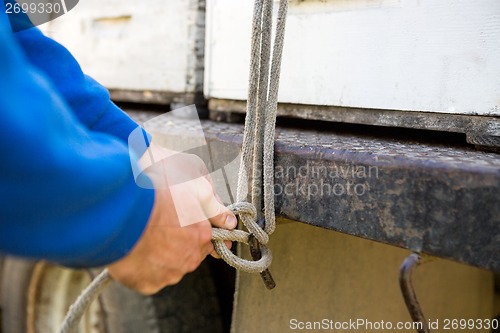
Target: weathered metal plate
point(472, 125)
point(430, 198)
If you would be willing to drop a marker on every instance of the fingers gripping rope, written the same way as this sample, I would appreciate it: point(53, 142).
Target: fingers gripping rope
point(247, 214)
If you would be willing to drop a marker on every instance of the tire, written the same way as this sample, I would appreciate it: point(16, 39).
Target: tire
point(36, 295)
point(1, 265)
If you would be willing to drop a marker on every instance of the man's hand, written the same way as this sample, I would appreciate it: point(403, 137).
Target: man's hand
point(178, 234)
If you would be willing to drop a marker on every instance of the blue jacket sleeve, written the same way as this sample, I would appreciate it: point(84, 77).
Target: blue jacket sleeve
point(67, 193)
point(88, 99)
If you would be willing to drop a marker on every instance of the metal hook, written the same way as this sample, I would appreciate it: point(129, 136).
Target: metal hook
point(405, 272)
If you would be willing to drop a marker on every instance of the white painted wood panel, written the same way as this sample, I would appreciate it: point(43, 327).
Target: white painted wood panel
point(422, 55)
point(136, 45)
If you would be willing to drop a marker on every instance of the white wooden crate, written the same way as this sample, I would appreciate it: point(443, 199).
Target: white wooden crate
point(153, 47)
point(414, 55)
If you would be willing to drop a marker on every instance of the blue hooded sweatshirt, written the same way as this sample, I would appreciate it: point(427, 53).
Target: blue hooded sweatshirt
point(67, 193)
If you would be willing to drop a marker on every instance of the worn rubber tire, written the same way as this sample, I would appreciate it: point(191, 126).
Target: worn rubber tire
point(190, 306)
point(1, 265)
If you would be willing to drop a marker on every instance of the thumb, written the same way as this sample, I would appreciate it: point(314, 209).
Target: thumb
point(218, 214)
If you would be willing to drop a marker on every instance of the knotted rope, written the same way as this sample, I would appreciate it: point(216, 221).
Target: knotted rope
point(257, 158)
point(258, 140)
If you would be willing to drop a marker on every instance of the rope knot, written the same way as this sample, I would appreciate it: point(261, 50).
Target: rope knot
point(247, 214)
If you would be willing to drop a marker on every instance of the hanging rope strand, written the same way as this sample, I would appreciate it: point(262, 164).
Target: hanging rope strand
point(270, 120)
point(258, 139)
point(88, 295)
point(262, 95)
point(253, 86)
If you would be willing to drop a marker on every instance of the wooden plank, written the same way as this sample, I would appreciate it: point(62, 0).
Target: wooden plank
point(471, 125)
point(156, 97)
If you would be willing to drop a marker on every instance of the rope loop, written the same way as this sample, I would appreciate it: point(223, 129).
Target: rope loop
point(247, 214)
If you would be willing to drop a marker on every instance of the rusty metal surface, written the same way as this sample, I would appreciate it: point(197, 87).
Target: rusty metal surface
point(443, 201)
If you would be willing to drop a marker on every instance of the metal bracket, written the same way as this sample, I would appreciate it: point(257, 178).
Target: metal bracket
point(256, 255)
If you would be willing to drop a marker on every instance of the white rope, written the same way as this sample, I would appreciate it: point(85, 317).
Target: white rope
point(88, 295)
point(258, 139)
point(257, 158)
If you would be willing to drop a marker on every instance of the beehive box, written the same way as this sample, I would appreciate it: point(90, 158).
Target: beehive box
point(412, 63)
point(146, 51)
